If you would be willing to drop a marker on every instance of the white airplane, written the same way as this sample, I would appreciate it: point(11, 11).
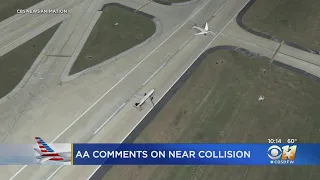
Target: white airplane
point(48, 154)
point(203, 31)
point(261, 98)
point(144, 99)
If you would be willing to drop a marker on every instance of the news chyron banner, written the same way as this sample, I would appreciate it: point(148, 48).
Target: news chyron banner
point(196, 154)
point(159, 154)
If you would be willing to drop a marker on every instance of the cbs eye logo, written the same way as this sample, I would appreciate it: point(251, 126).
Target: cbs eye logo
point(286, 152)
point(274, 152)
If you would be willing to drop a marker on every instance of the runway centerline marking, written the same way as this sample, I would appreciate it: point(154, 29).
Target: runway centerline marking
point(154, 73)
point(176, 81)
point(55, 172)
point(182, 74)
point(167, 61)
point(94, 134)
point(127, 74)
point(109, 118)
point(190, 17)
point(19, 39)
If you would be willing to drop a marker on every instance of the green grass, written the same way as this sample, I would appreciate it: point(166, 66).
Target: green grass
point(9, 8)
point(219, 104)
point(290, 20)
point(108, 40)
point(16, 63)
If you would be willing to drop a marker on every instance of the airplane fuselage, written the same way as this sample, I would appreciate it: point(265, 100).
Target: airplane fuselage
point(61, 156)
point(56, 158)
point(202, 30)
point(143, 100)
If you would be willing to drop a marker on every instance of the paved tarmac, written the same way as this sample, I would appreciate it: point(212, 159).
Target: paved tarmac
point(73, 112)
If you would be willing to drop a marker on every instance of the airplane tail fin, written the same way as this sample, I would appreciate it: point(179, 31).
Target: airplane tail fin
point(206, 27)
point(136, 104)
point(44, 147)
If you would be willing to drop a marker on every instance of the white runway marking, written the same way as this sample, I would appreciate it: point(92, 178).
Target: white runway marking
point(175, 81)
point(166, 61)
point(109, 118)
point(181, 75)
point(13, 42)
point(126, 75)
point(3, 36)
point(154, 73)
point(30, 32)
point(59, 16)
point(26, 14)
point(118, 83)
point(54, 172)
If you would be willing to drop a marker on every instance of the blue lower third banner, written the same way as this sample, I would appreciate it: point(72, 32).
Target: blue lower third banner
point(196, 154)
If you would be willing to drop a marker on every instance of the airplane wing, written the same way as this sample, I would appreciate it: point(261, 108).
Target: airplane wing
point(138, 96)
point(200, 33)
point(42, 160)
point(150, 101)
point(206, 27)
point(197, 28)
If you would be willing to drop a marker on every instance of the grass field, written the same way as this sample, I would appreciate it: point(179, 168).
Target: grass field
point(16, 63)
point(290, 20)
point(108, 40)
point(219, 104)
point(9, 8)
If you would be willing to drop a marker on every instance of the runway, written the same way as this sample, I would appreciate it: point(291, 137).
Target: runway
point(72, 112)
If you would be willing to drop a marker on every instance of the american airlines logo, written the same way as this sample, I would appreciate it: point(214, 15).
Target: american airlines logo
point(46, 153)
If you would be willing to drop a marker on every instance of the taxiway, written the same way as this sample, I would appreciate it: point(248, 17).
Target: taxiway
point(73, 112)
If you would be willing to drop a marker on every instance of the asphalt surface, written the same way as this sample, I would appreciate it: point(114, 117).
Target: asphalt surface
point(98, 106)
point(100, 173)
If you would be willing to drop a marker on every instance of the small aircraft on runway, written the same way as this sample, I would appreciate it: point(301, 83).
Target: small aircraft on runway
point(144, 98)
point(48, 154)
point(203, 31)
